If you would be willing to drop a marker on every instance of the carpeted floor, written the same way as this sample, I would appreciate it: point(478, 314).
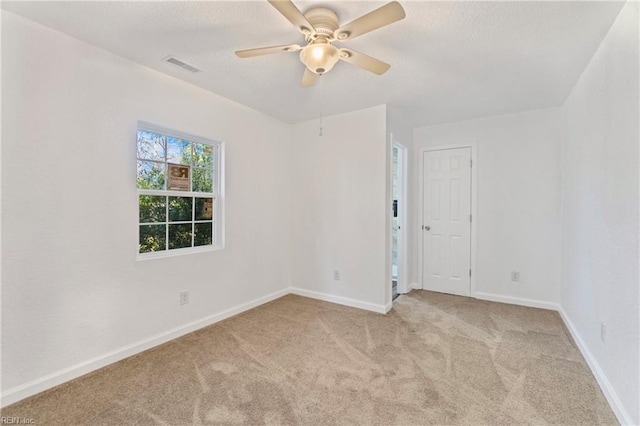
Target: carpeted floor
point(434, 359)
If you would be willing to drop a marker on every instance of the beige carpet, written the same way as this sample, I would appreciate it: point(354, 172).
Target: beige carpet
point(434, 359)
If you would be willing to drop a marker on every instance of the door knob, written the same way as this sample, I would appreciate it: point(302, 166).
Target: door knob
point(427, 228)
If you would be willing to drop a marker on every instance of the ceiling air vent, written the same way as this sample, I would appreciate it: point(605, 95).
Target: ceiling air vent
point(179, 63)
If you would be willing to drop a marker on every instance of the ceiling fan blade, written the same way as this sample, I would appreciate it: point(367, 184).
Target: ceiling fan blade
point(366, 62)
point(308, 78)
point(385, 15)
point(267, 50)
point(293, 14)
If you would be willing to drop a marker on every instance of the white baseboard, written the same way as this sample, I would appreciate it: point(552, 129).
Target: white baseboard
point(414, 286)
point(612, 397)
point(54, 379)
point(381, 309)
point(532, 303)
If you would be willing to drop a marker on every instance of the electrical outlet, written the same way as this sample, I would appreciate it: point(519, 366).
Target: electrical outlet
point(184, 297)
point(336, 275)
point(515, 276)
point(603, 332)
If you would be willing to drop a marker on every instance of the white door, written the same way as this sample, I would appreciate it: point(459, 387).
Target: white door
point(446, 221)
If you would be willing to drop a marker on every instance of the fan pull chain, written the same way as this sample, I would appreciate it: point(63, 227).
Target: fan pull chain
point(321, 103)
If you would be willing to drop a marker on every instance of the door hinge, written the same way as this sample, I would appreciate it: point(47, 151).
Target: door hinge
point(469, 273)
point(470, 218)
point(470, 163)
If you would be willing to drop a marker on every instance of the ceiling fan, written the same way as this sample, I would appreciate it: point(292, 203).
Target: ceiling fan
point(321, 28)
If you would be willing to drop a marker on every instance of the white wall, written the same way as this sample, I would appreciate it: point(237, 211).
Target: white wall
point(518, 209)
point(72, 289)
point(340, 207)
point(600, 211)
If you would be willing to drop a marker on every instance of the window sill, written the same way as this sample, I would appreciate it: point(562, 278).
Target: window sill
point(177, 252)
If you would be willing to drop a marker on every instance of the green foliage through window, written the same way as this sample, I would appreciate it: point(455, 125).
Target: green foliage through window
point(152, 238)
point(190, 222)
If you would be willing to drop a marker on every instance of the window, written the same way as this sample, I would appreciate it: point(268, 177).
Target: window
point(179, 183)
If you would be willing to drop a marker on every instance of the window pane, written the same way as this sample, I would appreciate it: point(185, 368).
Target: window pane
point(203, 155)
point(152, 238)
point(151, 146)
point(204, 208)
point(202, 180)
point(178, 151)
point(203, 236)
point(180, 209)
point(153, 208)
point(150, 175)
point(179, 236)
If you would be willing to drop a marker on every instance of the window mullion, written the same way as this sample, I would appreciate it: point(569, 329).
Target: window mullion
point(166, 237)
point(166, 169)
point(193, 221)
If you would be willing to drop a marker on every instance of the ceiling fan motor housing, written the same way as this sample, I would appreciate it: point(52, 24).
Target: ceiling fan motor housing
point(324, 21)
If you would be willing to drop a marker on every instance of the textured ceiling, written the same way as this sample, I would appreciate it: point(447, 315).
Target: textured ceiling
point(449, 60)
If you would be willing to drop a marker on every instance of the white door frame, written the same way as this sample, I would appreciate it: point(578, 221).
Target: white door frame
point(403, 282)
point(474, 204)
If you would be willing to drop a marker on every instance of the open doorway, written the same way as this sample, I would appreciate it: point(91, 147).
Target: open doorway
point(399, 196)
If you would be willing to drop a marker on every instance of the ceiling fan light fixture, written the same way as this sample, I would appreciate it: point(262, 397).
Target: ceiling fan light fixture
point(319, 57)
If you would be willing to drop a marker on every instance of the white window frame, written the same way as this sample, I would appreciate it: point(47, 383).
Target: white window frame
point(217, 195)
